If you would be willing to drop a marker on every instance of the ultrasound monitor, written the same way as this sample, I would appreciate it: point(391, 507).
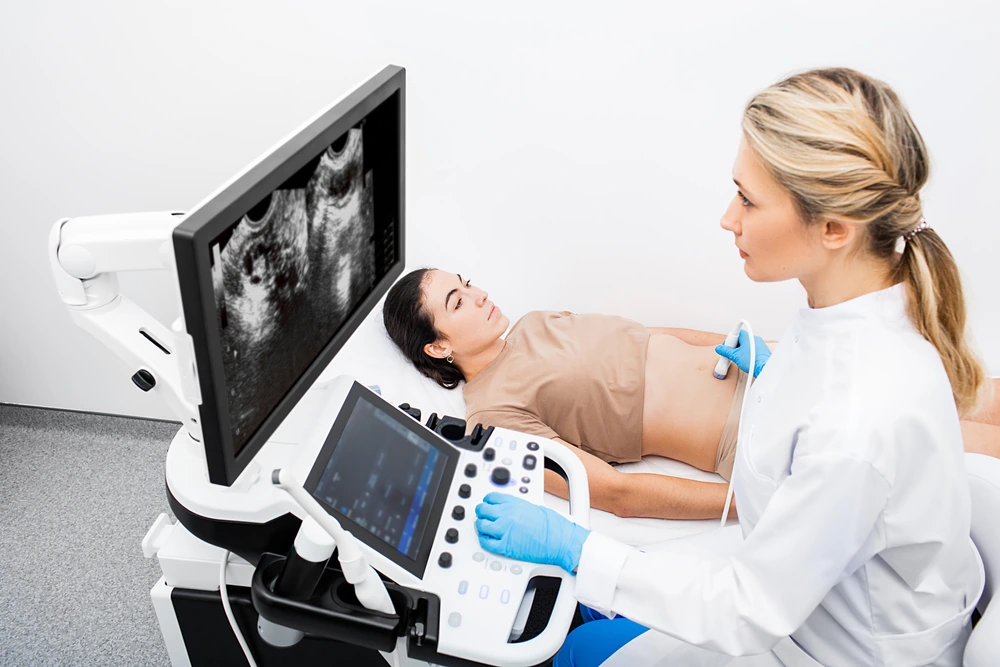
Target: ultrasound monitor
point(384, 478)
point(279, 267)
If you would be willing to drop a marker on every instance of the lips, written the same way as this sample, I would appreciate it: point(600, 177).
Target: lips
point(743, 255)
point(493, 309)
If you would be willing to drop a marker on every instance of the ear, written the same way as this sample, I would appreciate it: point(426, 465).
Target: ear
point(837, 234)
point(436, 350)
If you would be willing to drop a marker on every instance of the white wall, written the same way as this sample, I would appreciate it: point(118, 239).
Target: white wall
point(564, 155)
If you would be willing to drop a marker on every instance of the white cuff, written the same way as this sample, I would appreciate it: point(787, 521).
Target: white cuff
point(601, 560)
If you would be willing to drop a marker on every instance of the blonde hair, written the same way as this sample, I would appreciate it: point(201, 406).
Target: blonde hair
point(846, 149)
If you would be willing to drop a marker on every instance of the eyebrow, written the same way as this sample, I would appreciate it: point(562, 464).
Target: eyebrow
point(743, 189)
point(453, 291)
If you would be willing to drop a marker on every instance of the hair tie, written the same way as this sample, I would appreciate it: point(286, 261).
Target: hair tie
point(916, 230)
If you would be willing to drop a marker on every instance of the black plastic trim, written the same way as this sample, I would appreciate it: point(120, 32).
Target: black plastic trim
point(210, 642)
point(248, 540)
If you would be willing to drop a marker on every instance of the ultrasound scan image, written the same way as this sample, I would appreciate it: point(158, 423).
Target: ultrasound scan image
point(288, 274)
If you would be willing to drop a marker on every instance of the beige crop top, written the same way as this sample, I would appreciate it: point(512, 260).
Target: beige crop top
point(580, 378)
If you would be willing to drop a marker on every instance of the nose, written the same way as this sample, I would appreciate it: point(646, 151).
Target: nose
point(731, 219)
point(481, 298)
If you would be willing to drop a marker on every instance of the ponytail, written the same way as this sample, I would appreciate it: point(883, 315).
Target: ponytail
point(937, 309)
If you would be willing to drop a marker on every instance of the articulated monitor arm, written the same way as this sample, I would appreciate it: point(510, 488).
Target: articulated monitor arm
point(85, 255)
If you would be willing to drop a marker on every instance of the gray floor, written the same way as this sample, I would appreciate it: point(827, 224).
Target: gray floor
point(77, 494)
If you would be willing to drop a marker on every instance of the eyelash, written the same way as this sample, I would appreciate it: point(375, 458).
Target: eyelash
point(468, 283)
point(746, 202)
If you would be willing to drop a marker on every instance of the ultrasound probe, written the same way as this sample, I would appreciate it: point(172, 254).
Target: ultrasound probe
point(722, 368)
point(367, 584)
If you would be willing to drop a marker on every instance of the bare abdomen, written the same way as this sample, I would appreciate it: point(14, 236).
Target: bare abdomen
point(685, 407)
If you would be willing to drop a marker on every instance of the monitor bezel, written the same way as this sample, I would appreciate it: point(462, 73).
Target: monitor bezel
point(192, 239)
point(415, 566)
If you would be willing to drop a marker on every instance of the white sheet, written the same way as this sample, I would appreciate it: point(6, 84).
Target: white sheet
point(372, 359)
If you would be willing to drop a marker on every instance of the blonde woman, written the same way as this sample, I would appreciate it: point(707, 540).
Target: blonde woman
point(849, 473)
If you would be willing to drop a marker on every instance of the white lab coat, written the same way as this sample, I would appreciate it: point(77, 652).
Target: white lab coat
point(853, 503)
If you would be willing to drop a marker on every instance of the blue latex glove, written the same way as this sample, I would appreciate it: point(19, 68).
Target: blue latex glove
point(740, 355)
point(515, 528)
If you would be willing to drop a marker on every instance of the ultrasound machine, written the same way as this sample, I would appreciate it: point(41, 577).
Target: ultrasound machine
point(316, 523)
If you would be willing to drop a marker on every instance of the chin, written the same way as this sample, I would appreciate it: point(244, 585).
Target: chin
point(754, 274)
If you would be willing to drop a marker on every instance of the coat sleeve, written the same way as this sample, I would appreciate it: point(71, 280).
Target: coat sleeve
point(822, 523)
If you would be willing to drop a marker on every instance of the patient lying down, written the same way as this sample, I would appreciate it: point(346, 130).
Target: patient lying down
point(611, 389)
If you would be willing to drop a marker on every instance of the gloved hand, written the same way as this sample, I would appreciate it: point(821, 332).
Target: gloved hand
point(740, 355)
point(515, 528)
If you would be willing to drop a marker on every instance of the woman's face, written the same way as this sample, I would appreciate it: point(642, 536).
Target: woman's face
point(468, 321)
point(773, 241)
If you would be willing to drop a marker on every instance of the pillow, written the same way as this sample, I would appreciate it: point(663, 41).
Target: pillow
point(371, 358)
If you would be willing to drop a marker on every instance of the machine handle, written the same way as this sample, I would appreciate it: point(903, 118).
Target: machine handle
point(576, 478)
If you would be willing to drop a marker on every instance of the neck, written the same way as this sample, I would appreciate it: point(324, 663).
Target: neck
point(844, 281)
point(473, 365)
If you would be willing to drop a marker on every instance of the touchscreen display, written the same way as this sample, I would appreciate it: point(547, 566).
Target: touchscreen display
point(383, 475)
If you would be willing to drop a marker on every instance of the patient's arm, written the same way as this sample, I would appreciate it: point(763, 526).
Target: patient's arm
point(691, 336)
point(642, 494)
point(977, 438)
point(989, 411)
point(699, 338)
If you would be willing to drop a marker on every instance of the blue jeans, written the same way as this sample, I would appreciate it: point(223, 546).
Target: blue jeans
point(596, 640)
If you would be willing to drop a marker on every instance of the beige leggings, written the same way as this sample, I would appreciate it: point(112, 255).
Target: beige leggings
point(726, 456)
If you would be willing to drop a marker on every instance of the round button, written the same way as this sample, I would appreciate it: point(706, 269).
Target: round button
point(464, 491)
point(500, 476)
point(523, 489)
point(508, 462)
point(458, 513)
point(496, 565)
point(479, 556)
point(470, 470)
point(515, 569)
point(525, 480)
point(489, 453)
point(529, 462)
point(451, 536)
point(533, 446)
point(444, 560)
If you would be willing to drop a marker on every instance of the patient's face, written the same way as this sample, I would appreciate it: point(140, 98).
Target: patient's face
point(463, 313)
point(774, 242)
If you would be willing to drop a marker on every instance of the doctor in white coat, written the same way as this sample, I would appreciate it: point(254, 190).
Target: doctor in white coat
point(849, 479)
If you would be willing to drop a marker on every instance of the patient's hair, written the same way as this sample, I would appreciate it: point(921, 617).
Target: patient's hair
point(846, 149)
point(411, 327)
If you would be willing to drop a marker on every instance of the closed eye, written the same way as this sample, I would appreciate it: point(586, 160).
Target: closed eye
point(746, 202)
point(458, 304)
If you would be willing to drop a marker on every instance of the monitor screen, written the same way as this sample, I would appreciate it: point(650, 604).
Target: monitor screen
point(291, 257)
point(380, 472)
